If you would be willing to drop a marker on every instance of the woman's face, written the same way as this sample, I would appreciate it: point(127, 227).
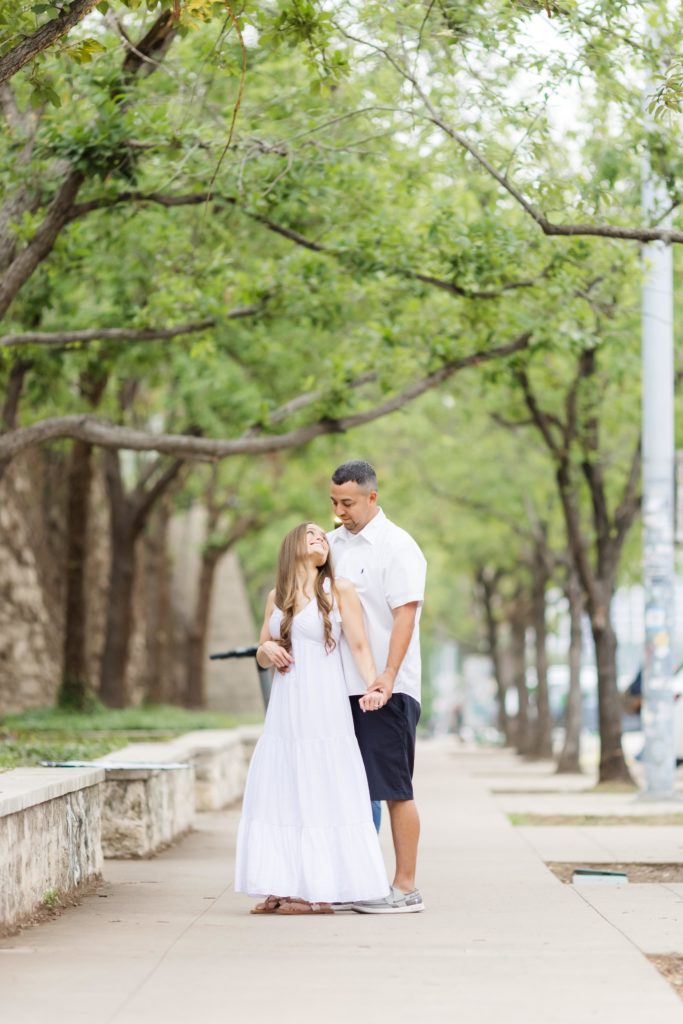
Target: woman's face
point(317, 548)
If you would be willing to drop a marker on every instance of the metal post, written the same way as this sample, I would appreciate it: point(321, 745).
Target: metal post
point(658, 501)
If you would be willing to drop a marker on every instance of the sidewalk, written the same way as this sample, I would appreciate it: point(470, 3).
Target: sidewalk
point(168, 941)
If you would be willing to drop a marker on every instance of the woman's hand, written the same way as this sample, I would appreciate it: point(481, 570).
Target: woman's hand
point(374, 699)
point(278, 657)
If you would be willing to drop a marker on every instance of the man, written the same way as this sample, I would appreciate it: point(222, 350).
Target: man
point(388, 570)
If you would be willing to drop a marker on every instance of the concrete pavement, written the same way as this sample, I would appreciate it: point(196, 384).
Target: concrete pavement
point(168, 941)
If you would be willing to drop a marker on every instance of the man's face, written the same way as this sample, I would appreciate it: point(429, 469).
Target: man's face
point(354, 506)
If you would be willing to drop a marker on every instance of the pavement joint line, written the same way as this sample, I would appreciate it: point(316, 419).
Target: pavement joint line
point(152, 971)
point(577, 892)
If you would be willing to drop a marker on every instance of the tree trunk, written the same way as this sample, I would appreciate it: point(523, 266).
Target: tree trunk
point(487, 586)
point(119, 615)
point(542, 744)
point(74, 689)
point(195, 695)
point(518, 623)
point(128, 515)
point(160, 633)
point(570, 758)
point(612, 764)
point(10, 408)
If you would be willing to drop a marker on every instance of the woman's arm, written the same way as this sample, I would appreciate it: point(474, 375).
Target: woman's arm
point(354, 630)
point(269, 653)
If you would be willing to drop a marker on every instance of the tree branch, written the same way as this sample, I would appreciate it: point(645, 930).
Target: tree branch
point(42, 242)
point(198, 198)
point(591, 465)
point(306, 399)
point(122, 334)
point(544, 421)
point(144, 502)
point(639, 234)
point(59, 212)
point(503, 421)
point(560, 454)
point(108, 435)
point(29, 48)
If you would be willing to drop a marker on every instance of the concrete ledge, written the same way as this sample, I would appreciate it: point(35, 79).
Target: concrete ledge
point(50, 836)
point(220, 766)
point(220, 758)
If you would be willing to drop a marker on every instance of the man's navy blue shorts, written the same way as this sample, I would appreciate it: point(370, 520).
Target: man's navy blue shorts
point(387, 743)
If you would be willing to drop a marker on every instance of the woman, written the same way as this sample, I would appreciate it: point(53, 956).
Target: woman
point(306, 838)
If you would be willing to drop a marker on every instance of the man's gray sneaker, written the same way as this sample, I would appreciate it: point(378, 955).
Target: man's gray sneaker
point(396, 902)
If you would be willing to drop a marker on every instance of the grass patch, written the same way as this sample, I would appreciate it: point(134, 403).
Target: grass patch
point(23, 749)
point(149, 718)
point(540, 792)
point(52, 734)
point(51, 899)
point(595, 819)
point(614, 787)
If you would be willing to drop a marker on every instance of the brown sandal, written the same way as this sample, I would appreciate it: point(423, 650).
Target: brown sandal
point(297, 907)
point(269, 906)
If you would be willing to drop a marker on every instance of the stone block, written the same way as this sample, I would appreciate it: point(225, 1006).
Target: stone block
point(145, 809)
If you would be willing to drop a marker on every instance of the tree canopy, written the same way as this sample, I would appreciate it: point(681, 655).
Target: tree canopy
point(235, 232)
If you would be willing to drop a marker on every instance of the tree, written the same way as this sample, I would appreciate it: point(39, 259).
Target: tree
point(574, 443)
point(488, 583)
point(238, 503)
point(570, 757)
point(129, 512)
point(74, 691)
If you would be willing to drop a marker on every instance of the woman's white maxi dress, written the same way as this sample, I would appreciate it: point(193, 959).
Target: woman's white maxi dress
point(306, 829)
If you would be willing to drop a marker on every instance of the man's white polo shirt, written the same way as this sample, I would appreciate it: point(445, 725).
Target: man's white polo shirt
point(387, 569)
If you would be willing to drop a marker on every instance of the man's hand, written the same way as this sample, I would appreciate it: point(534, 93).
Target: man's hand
point(277, 655)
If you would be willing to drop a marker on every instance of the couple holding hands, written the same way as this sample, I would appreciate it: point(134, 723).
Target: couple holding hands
point(341, 632)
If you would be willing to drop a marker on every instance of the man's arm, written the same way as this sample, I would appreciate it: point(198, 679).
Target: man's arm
point(401, 633)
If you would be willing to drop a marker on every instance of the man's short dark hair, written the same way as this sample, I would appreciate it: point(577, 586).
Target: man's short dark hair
point(357, 472)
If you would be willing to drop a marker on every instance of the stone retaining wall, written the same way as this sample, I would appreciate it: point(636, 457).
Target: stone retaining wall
point(50, 836)
point(146, 808)
point(56, 824)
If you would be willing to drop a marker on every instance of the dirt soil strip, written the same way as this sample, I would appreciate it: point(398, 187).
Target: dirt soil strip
point(661, 873)
point(670, 965)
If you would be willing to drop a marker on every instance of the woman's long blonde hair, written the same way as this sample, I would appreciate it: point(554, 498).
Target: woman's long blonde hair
point(291, 556)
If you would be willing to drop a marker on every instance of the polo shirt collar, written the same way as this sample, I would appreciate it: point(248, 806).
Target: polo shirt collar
point(370, 532)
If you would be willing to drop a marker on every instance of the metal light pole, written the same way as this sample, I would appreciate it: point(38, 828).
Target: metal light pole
point(658, 495)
